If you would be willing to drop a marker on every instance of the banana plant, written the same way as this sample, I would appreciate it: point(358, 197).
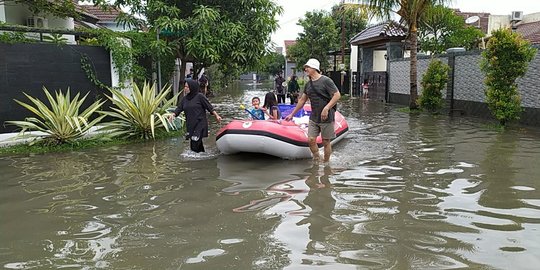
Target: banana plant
point(140, 115)
point(62, 122)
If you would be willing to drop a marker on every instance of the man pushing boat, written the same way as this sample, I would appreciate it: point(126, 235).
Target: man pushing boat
point(323, 95)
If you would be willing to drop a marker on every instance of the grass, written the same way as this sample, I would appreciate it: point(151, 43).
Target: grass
point(408, 110)
point(94, 142)
point(495, 126)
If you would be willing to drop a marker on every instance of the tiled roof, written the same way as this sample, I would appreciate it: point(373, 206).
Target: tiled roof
point(530, 31)
point(109, 15)
point(288, 43)
point(77, 9)
point(378, 32)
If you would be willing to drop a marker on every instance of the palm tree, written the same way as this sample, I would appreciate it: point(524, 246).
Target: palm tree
point(411, 12)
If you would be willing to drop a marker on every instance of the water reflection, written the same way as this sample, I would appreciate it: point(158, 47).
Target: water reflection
point(319, 205)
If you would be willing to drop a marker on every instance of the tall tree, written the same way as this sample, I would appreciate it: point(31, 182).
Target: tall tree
point(58, 8)
point(319, 36)
point(349, 20)
point(272, 63)
point(231, 33)
point(411, 12)
point(322, 32)
point(441, 29)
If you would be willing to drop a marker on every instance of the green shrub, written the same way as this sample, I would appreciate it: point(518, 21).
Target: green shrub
point(140, 116)
point(57, 39)
point(14, 37)
point(504, 61)
point(62, 122)
point(433, 82)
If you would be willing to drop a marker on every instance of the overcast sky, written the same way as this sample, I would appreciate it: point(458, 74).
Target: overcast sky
point(295, 9)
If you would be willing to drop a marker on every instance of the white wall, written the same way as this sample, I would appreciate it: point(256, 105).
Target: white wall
point(379, 63)
point(18, 14)
point(497, 22)
point(66, 23)
point(354, 59)
point(533, 17)
point(115, 78)
point(113, 26)
point(2, 13)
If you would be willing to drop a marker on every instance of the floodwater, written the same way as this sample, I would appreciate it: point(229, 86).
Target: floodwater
point(401, 192)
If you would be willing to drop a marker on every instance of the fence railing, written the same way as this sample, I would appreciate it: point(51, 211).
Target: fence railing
point(41, 31)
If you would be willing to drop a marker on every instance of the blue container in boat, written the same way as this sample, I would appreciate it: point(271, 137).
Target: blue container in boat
point(286, 109)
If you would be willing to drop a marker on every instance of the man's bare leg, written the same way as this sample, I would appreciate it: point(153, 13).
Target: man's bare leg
point(327, 150)
point(313, 148)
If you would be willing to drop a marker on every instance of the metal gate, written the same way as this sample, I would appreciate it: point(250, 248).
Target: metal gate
point(336, 77)
point(377, 85)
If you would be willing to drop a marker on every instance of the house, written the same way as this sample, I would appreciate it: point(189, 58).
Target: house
point(528, 25)
point(371, 49)
point(106, 18)
point(20, 14)
point(89, 17)
point(530, 31)
point(290, 66)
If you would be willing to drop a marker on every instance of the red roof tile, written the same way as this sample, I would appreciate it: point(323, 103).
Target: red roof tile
point(530, 31)
point(109, 15)
point(288, 43)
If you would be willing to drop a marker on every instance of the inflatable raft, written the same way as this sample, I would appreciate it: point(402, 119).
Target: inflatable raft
point(284, 139)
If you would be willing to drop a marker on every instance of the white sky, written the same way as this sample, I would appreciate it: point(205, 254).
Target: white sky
point(295, 9)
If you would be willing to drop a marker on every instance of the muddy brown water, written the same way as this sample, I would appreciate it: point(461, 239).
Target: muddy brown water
point(401, 192)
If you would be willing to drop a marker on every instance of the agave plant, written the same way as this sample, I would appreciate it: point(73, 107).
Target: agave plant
point(60, 123)
point(141, 115)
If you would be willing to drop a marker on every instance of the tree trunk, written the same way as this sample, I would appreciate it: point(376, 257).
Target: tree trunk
point(413, 73)
point(183, 65)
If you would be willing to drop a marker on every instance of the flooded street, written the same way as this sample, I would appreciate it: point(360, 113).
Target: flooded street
point(401, 192)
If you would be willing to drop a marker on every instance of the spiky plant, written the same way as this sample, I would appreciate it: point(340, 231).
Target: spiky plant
point(62, 122)
point(141, 115)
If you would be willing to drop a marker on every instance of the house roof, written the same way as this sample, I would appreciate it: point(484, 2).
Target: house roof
point(104, 16)
point(379, 32)
point(530, 31)
point(78, 9)
point(288, 43)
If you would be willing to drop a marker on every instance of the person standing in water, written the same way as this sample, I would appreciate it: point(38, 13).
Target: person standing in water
point(323, 94)
point(195, 105)
point(293, 89)
point(280, 89)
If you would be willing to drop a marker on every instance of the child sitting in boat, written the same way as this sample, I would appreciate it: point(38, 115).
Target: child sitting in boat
point(256, 112)
point(270, 106)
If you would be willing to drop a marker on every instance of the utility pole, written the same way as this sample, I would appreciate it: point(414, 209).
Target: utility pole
point(343, 31)
point(342, 65)
point(158, 64)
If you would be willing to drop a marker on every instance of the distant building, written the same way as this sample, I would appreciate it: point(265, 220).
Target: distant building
point(527, 25)
point(106, 18)
point(19, 13)
point(291, 66)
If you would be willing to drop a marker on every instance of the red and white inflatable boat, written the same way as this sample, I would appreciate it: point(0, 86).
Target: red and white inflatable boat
point(284, 139)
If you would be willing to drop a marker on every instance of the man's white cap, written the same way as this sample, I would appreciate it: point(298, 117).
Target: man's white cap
point(313, 63)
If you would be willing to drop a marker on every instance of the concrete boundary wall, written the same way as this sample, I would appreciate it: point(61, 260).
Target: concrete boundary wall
point(465, 91)
point(29, 67)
